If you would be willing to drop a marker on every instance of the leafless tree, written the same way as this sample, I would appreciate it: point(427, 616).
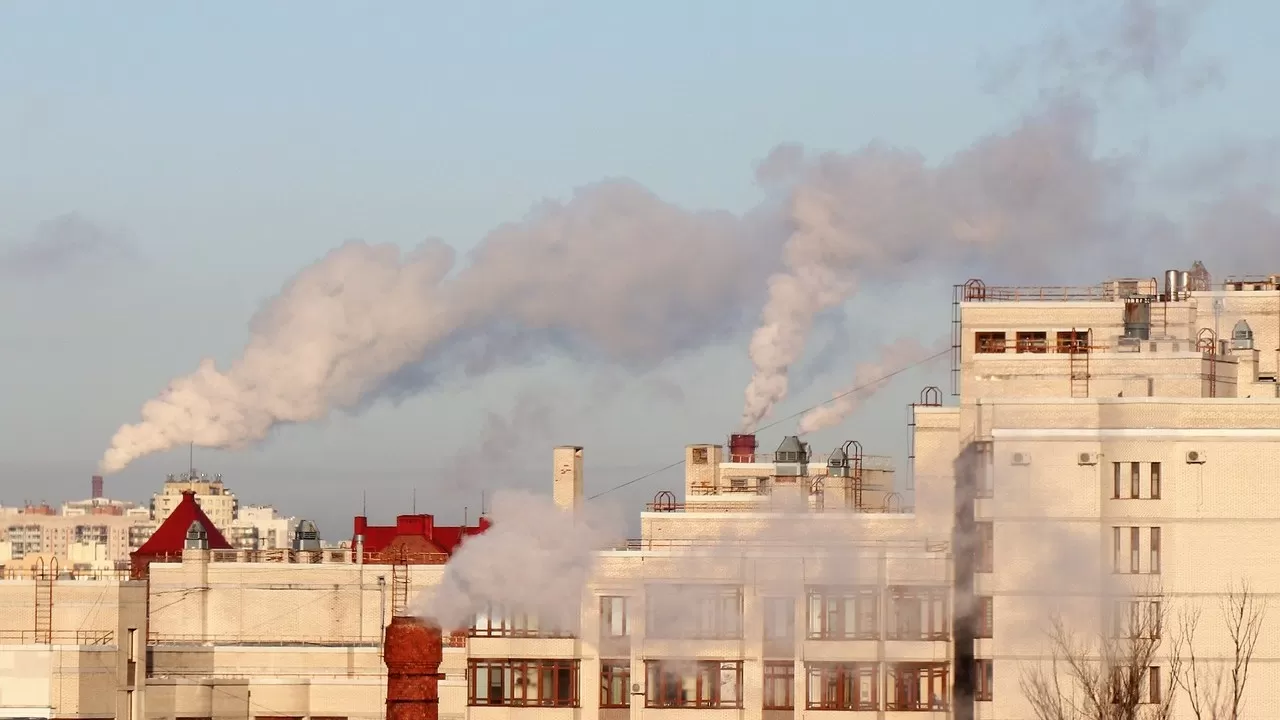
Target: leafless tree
point(1112, 676)
point(1215, 688)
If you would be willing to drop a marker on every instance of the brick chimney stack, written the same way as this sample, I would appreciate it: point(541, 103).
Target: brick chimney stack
point(412, 651)
point(95, 487)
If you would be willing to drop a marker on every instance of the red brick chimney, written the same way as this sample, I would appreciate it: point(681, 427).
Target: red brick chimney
point(413, 651)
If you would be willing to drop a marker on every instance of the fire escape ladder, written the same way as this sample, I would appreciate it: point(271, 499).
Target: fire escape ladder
point(44, 603)
point(400, 585)
point(1078, 352)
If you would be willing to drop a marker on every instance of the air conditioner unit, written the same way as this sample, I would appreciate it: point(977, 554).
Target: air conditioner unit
point(1020, 458)
point(1087, 458)
point(1195, 457)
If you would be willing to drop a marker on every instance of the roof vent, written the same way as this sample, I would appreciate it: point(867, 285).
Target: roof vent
point(197, 537)
point(1242, 336)
point(306, 536)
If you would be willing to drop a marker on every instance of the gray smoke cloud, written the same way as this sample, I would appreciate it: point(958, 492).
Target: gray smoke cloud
point(67, 241)
point(1024, 198)
point(616, 275)
point(535, 560)
point(870, 378)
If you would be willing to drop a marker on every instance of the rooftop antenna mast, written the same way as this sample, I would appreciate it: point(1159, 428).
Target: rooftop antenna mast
point(191, 461)
point(415, 501)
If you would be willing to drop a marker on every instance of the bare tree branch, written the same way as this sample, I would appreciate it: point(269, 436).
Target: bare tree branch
point(1215, 688)
point(1111, 677)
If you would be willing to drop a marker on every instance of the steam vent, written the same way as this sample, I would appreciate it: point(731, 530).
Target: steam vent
point(413, 652)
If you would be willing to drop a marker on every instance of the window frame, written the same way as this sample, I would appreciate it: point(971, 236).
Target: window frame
point(611, 672)
point(774, 608)
point(706, 693)
point(724, 602)
point(984, 629)
point(832, 603)
point(990, 342)
point(779, 676)
point(1032, 341)
point(515, 672)
point(983, 679)
point(1135, 550)
point(928, 606)
point(985, 562)
point(845, 680)
point(1155, 480)
point(1135, 481)
point(1155, 536)
point(609, 609)
point(905, 680)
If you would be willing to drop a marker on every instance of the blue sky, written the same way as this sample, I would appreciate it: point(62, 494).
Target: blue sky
point(229, 144)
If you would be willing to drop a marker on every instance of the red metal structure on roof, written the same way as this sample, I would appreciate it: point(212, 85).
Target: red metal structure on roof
point(415, 539)
point(169, 540)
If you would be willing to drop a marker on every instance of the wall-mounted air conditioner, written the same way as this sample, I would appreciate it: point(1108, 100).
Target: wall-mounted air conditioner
point(1087, 458)
point(1020, 458)
point(1195, 457)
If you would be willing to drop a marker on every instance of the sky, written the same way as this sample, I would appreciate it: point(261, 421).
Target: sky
point(166, 168)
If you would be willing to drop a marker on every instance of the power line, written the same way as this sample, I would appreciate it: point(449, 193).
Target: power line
point(792, 416)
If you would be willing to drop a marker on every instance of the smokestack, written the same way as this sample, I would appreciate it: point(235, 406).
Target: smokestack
point(413, 651)
point(95, 487)
point(567, 483)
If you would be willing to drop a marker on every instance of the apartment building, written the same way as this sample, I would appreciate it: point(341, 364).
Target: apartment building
point(1113, 444)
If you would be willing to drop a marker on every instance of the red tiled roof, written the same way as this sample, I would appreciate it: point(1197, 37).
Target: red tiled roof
point(171, 536)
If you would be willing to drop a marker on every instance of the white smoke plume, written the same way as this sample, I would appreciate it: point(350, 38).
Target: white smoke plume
point(535, 559)
point(361, 322)
point(335, 331)
point(870, 378)
point(617, 275)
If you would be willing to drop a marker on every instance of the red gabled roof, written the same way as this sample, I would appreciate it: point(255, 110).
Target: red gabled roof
point(171, 536)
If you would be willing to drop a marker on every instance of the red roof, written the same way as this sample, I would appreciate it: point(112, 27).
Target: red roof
point(414, 533)
point(171, 536)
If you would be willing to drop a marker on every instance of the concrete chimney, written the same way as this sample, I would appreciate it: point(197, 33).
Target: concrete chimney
point(413, 651)
point(95, 487)
point(567, 482)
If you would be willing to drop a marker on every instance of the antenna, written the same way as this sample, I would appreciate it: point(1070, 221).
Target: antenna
point(483, 507)
point(415, 501)
point(191, 460)
point(465, 517)
point(364, 503)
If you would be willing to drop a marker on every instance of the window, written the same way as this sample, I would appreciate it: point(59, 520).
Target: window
point(1154, 694)
point(984, 678)
point(1135, 549)
point(1155, 481)
point(917, 613)
point(986, 547)
point(495, 622)
point(843, 613)
point(690, 683)
point(986, 617)
point(916, 686)
point(615, 683)
point(1135, 480)
point(131, 662)
point(613, 617)
point(1115, 472)
point(779, 619)
point(842, 686)
point(699, 456)
point(694, 612)
point(1115, 549)
point(1136, 619)
point(1033, 342)
point(779, 685)
point(546, 683)
point(1073, 341)
point(989, 342)
point(1155, 551)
